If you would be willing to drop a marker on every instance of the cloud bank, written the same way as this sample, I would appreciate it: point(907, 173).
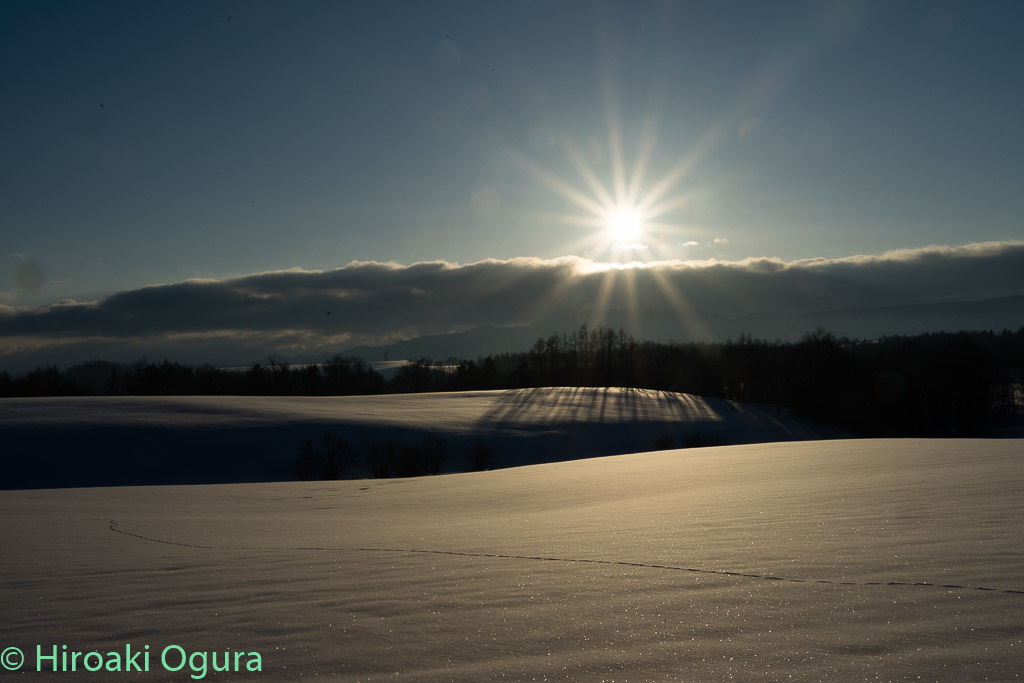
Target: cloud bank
point(310, 312)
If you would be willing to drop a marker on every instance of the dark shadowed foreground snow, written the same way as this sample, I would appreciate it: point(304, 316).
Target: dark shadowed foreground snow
point(99, 441)
point(840, 560)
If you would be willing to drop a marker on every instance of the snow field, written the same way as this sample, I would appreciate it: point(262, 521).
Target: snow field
point(839, 560)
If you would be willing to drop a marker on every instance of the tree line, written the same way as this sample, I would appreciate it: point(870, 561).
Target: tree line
point(926, 385)
point(381, 459)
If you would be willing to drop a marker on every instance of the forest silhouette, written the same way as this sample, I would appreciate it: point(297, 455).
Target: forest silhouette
point(941, 384)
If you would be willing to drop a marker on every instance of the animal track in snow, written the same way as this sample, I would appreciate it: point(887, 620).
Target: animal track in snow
point(542, 558)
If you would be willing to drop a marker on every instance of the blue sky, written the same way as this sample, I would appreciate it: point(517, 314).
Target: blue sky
point(151, 143)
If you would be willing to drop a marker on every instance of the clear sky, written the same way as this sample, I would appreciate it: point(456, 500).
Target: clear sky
point(149, 143)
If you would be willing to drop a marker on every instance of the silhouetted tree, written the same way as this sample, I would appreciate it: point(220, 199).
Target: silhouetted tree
point(331, 463)
point(480, 456)
point(307, 466)
point(382, 458)
point(433, 453)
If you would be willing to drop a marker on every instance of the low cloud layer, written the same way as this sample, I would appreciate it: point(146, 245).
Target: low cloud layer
point(306, 312)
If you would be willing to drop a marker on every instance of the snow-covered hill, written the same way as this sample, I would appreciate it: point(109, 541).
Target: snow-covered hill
point(842, 560)
point(189, 440)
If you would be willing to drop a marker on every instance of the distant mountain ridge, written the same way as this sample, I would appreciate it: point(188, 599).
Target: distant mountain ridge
point(863, 323)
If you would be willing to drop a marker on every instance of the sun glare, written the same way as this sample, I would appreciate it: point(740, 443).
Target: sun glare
point(624, 226)
point(631, 213)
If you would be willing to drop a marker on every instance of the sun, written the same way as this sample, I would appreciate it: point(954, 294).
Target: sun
point(624, 225)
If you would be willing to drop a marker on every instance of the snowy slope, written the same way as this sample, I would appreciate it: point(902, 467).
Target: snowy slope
point(177, 440)
point(840, 560)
